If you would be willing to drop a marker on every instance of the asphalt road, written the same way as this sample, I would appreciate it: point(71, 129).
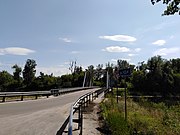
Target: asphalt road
point(36, 117)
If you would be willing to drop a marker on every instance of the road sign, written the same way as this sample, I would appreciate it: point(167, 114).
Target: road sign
point(125, 72)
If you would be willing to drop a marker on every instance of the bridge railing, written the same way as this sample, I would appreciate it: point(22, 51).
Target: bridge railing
point(54, 92)
point(79, 107)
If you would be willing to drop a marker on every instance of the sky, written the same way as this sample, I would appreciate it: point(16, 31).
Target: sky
point(91, 32)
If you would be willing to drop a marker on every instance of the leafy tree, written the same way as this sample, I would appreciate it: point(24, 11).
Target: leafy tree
point(17, 73)
point(29, 71)
point(173, 6)
point(109, 69)
point(139, 81)
point(167, 79)
point(98, 72)
point(122, 64)
point(175, 65)
point(44, 82)
point(67, 80)
point(176, 85)
point(89, 75)
point(6, 80)
point(98, 75)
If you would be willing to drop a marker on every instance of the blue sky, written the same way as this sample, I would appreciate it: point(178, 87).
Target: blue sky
point(55, 32)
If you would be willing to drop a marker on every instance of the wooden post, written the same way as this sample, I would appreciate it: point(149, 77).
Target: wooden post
point(125, 102)
point(117, 94)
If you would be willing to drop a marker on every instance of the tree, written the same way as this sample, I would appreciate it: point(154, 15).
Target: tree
point(122, 64)
point(29, 71)
point(17, 72)
point(173, 6)
point(109, 69)
point(67, 80)
point(98, 72)
point(44, 82)
point(90, 75)
point(175, 65)
point(6, 80)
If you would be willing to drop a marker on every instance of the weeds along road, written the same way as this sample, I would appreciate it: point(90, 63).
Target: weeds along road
point(36, 117)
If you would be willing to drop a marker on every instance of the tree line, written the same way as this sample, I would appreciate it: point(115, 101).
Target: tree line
point(25, 79)
point(157, 76)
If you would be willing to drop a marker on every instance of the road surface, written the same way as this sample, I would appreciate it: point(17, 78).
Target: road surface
point(36, 117)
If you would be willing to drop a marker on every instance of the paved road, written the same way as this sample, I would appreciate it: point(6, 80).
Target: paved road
point(36, 117)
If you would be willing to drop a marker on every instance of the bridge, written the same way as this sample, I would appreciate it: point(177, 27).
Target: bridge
point(37, 117)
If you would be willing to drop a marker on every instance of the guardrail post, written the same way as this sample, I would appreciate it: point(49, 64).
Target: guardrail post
point(86, 100)
point(89, 98)
point(21, 97)
point(36, 97)
point(81, 120)
point(70, 121)
point(3, 99)
point(79, 116)
point(84, 103)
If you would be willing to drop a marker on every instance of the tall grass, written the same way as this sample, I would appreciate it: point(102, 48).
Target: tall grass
point(144, 117)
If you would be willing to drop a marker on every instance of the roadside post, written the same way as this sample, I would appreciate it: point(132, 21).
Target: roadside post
point(117, 93)
point(124, 73)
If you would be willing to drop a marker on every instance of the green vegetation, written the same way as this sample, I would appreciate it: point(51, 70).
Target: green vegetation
point(144, 117)
point(25, 80)
point(157, 76)
point(172, 6)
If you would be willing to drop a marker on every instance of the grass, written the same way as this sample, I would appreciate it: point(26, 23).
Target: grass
point(144, 117)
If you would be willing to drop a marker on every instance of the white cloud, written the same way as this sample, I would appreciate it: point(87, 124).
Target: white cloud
point(132, 54)
point(74, 52)
point(56, 70)
point(114, 60)
point(15, 51)
point(167, 51)
point(67, 40)
point(159, 42)
point(137, 49)
point(116, 49)
point(124, 38)
point(171, 37)
point(66, 62)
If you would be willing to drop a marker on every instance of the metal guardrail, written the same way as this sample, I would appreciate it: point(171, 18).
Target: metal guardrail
point(23, 94)
point(79, 107)
point(54, 92)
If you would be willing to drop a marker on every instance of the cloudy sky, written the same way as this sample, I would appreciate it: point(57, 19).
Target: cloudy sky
point(55, 32)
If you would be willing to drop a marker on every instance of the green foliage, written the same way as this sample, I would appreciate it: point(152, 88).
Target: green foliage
point(157, 77)
point(172, 6)
point(144, 117)
point(114, 118)
point(6, 81)
point(29, 71)
point(17, 72)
